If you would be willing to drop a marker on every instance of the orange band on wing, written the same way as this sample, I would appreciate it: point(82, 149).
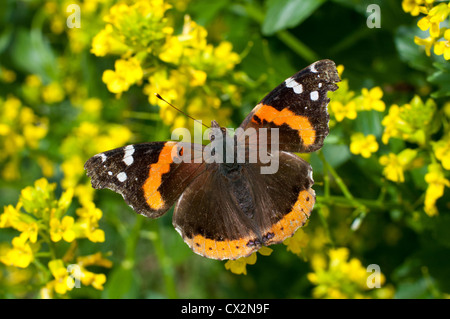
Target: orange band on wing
point(222, 249)
point(285, 116)
point(151, 185)
point(296, 218)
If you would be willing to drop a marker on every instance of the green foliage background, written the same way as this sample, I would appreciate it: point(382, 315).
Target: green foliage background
point(275, 38)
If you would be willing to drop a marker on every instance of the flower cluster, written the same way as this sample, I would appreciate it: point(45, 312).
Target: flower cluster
point(183, 68)
point(44, 226)
point(410, 122)
point(345, 103)
point(239, 266)
point(415, 123)
point(20, 129)
point(338, 277)
point(435, 21)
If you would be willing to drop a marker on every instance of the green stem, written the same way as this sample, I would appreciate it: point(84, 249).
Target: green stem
point(326, 182)
point(164, 261)
point(324, 222)
point(132, 240)
point(341, 184)
point(284, 36)
point(297, 46)
point(356, 202)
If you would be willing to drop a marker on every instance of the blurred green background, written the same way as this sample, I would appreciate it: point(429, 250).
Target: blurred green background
point(68, 93)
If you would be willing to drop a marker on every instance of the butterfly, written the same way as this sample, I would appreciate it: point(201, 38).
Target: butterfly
point(230, 209)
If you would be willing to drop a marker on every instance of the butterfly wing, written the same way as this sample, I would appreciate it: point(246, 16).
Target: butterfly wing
point(211, 221)
point(149, 176)
point(283, 200)
point(297, 108)
point(228, 216)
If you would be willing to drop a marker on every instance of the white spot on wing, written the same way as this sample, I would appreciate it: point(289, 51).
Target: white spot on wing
point(122, 177)
point(103, 156)
point(109, 173)
point(178, 229)
point(314, 95)
point(297, 87)
point(320, 85)
point(128, 157)
point(310, 175)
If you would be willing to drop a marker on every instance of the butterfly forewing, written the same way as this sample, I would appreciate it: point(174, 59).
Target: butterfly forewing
point(298, 108)
point(146, 175)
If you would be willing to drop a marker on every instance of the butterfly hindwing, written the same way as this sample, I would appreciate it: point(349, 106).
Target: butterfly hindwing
point(211, 221)
point(228, 216)
point(298, 108)
point(283, 200)
point(146, 174)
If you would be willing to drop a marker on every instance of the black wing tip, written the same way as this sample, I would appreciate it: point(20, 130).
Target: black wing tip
point(327, 67)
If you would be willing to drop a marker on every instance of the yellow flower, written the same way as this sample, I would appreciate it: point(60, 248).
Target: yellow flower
point(47, 166)
point(414, 7)
point(105, 43)
point(90, 278)
point(63, 282)
point(198, 77)
point(342, 111)
point(265, 251)
point(10, 216)
point(87, 223)
point(296, 243)
point(92, 106)
point(443, 47)
point(7, 76)
point(96, 259)
point(409, 121)
point(435, 16)
point(340, 277)
point(20, 255)
point(427, 42)
point(363, 145)
point(34, 133)
point(62, 229)
point(239, 266)
point(53, 93)
point(395, 165)
point(33, 80)
point(436, 184)
point(29, 231)
point(372, 99)
point(442, 151)
point(73, 170)
point(127, 73)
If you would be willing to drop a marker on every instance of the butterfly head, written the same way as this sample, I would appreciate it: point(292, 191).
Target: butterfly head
point(216, 130)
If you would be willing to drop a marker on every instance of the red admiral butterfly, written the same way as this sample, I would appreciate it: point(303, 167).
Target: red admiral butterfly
point(229, 210)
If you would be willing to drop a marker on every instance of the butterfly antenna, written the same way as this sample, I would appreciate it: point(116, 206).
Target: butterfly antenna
point(162, 99)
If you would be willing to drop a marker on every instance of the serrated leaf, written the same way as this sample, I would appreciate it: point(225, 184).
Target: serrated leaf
point(283, 14)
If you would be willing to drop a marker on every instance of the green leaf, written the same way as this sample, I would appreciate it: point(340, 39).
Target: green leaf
point(5, 38)
point(283, 14)
point(441, 78)
point(121, 284)
point(410, 52)
point(33, 54)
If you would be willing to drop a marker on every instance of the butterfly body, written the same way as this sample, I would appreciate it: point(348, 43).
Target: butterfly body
point(236, 194)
